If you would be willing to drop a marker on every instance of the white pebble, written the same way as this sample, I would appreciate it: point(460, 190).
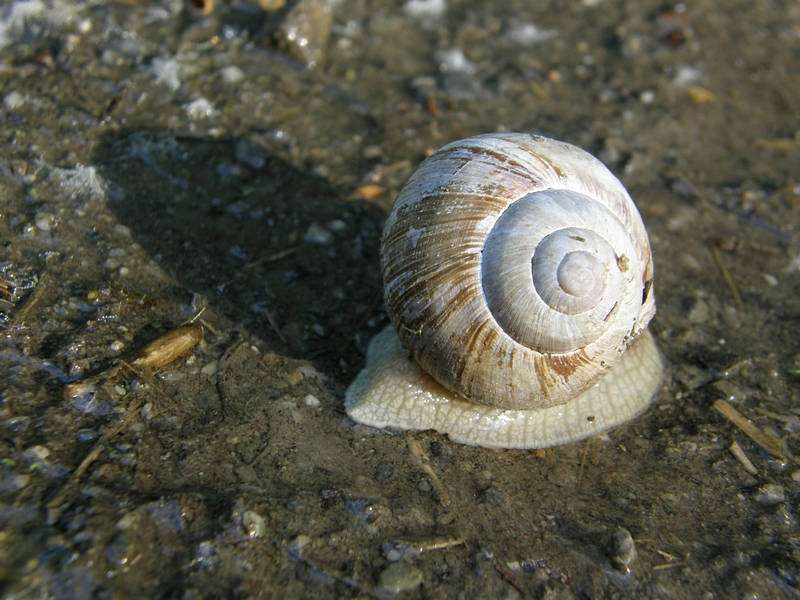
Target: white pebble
point(422, 9)
point(309, 371)
point(210, 368)
point(117, 345)
point(37, 452)
point(317, 234)
point(454, 61)
point(398, 577)
point(13, 100)
point(529, 34)
point(770, 493)
point(127, 521)
point(254, 524)
point(311, 401)
point(45, 220)
point(198, 109)
point(393, 555)
point(686, 76)
point(337, 226)
point(167, 71)
point(232, 74)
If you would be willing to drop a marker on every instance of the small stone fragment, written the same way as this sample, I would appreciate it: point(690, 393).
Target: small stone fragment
point(727, 390)
point(305, 30)
point(398, 577)
point(199, 109)
point(369, 191)
point(45, 220)
point(231, 74)
point(296, 546)
point(13, 100)
point(12, 482)
point(700, 95)
point(624, 550)
point(425, 9)
point(254, 524)
point(210, 369)
point(317, 234)
point(770, 493)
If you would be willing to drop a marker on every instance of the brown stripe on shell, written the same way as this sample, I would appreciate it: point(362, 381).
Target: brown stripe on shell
point(566, 365)
point(478, 342)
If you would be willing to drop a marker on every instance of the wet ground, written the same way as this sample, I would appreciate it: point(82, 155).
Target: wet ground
point(160, 165)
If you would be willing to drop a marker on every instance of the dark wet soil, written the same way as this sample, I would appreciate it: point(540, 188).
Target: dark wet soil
point(159, 166)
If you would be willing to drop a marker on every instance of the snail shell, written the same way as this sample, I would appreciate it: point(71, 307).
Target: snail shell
point(518, 275)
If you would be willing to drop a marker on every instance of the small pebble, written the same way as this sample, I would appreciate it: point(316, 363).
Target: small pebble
point(170, 376)
point(36, 453)
point(528, 34)
point(232, 74)
point(425, 9)
point(210, 368)
point(198, 109)
point(624, 550)
point(13, 100)
point(12, 482)
point(45, 220)
point(770, 493)
point(727, 390)
point(311, 401)
point(393, 555)
point(309, 371)
point(700, 95)
point(398, 577)
point(296, 546)
point(337, 226)
point(126, 522)
point(316, 234)
point(254, 524)
point(87, 435)
point(116, 346)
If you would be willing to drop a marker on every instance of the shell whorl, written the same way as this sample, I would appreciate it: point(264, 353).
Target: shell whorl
point(517, 270)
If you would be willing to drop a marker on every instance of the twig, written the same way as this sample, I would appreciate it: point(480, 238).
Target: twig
point(271, 258)
point(728, 279)
point(737, 452)
point(423, 463)
point(33, 299)
point(273, 324)
point(767, 442)
point(667, 566)
point(510, 578)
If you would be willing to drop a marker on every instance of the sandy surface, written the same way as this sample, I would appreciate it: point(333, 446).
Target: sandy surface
point(157, 164)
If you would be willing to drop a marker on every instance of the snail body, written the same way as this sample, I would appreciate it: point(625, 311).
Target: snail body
point(518, 276)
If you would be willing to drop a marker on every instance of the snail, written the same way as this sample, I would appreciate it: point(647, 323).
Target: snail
point(519, 280)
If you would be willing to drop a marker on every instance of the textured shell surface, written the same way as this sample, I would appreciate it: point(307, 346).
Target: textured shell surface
point(517, 270)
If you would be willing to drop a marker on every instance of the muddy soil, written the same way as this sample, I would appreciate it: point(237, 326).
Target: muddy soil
point(159, 165)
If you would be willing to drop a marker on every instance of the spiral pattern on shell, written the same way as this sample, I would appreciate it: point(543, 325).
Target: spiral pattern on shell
point(517, 270)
